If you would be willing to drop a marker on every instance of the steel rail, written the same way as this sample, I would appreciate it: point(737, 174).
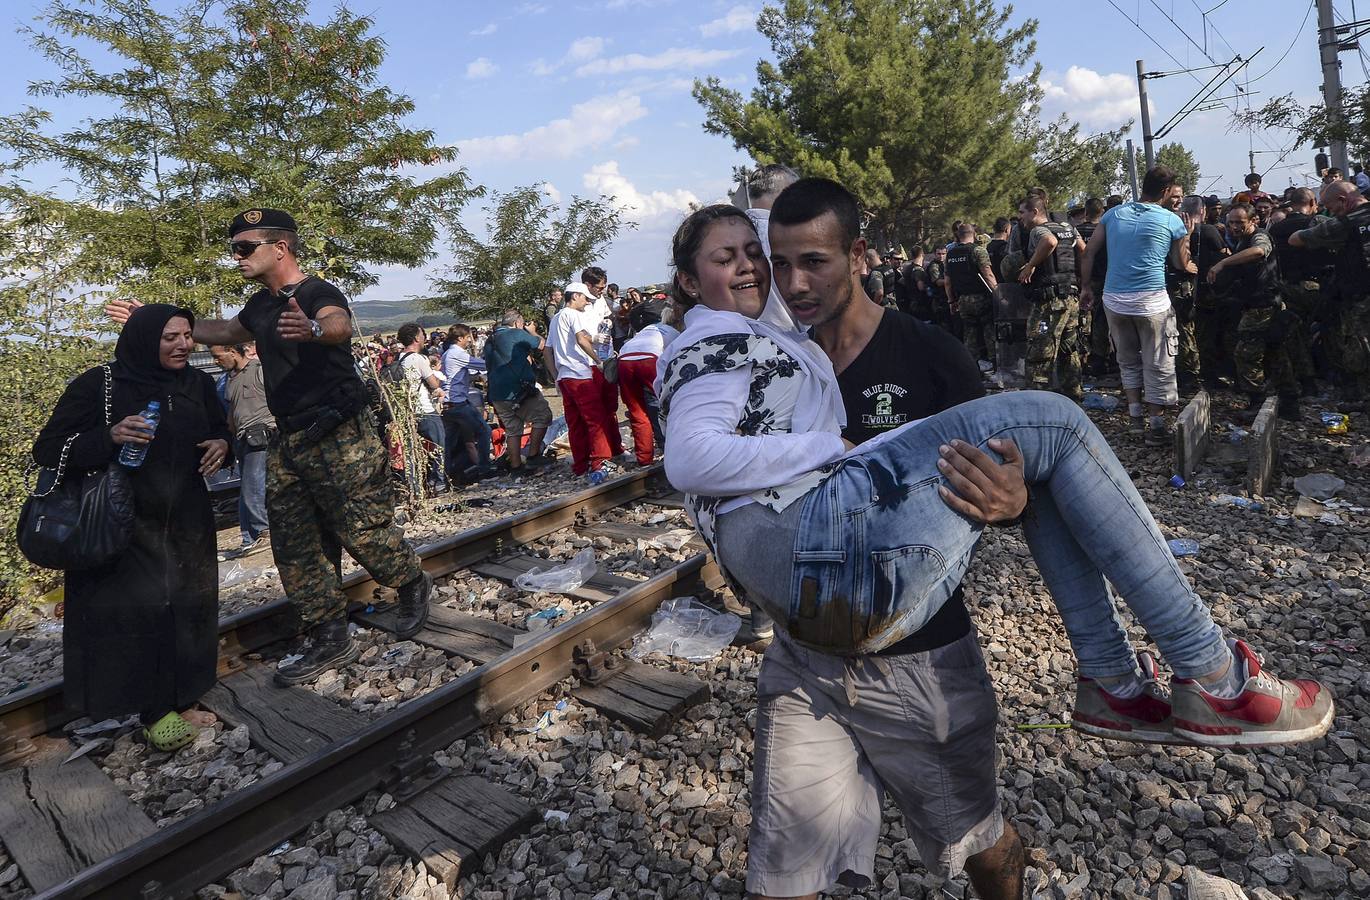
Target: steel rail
point(38, 709)
point(185, 856)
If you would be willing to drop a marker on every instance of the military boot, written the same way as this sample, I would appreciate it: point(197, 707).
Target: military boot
point(411, 612)
point(330, 646)
point(1288, 408)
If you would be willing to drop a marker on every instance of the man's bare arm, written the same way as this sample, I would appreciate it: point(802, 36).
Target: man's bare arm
point(220, 331)
point(583, 341)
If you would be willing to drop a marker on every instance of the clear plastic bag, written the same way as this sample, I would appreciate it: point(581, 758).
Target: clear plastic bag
point(684, 627)
point(560, 579)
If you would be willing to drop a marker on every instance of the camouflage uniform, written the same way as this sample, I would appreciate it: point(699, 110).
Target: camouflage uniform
point(325, 496)
point(1181, 291)
point(1262, 363)
point(1053, 344)
point(977, 324)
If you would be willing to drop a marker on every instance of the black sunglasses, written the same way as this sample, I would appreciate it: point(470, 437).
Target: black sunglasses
point(243, 249)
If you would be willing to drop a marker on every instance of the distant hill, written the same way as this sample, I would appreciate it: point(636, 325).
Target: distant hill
point(388, 315)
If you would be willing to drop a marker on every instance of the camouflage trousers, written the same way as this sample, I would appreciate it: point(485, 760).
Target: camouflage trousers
point(1215, 333)
point(1301, 302)
point(1351, 346)
point(1187, 349)
point(1263, 363)
point(977, 324)
point(329, 495)
point(1053, 344)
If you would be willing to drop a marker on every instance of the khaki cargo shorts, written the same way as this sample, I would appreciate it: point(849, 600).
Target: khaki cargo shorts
point(834, 733)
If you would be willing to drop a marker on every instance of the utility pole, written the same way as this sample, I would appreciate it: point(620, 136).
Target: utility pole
point(1147, 147)
point(1251, 156)
point(1132, 169)
point(1328, 45)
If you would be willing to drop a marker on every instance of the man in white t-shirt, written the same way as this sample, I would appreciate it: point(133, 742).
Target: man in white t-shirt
point(600, 323)
point(425, 388)
point(572, 361)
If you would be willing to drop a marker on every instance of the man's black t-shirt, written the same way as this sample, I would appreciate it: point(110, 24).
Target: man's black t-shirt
point(910, 371)
point(1206, 246)
point(997, 249)
point(1297, 264)
point(301, 375)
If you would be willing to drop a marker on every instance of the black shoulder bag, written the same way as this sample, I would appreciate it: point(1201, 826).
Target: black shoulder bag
point(80, 521)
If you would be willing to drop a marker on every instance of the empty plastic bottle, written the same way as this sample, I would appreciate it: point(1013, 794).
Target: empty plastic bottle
point(132, 455)
point(598, 476)
point(1239, 502)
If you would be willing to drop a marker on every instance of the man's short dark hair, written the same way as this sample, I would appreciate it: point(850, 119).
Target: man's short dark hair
point(457, 332)
point(291, 239)
point(966, 230)
point(409, 333)
point(1001, 224)
point(1113, 200)
point(1034, 203)
point(809, 198)
point(1157, 181)
point(1252, 179)
point(1303, 196)
point(1243, 207)
point(593, 275)
point(1094, 207)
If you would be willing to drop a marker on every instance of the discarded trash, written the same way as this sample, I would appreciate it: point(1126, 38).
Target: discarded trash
point(1360, 457)
point(549, 614)
point(1176, 482)
point(556, 814)
point(233, 576)
point(1319, 485)
point(684, 627)
point(49, 626)
point(560, 579)
point(104, 725)
point(1105, 402)
point(279, 850)
point(554, 431)
point(1043, 726)
point(1330, 519)
point(1330, 645)
point(479, 503)
point(1239, 502)
point(84, 749)
point(672, 540)
point(547, 718)
point(1236, 434)
point(1336, 423)
point(287, 660)
point(985, 365)
point(1183, 547)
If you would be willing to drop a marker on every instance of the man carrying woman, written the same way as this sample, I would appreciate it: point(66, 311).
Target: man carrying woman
point(854, 550)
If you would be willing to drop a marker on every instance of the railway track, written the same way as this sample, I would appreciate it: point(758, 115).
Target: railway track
point(328, 770)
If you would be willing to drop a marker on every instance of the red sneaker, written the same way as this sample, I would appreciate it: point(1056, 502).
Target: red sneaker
point(1269, 710)
point(1144, 718)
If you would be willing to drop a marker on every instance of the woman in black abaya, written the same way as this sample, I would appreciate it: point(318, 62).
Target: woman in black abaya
point(141, 634)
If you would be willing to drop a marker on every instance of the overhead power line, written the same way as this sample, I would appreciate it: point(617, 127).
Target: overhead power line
point(1304, 24)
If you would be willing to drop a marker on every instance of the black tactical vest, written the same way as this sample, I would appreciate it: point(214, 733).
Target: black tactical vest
point(1256, 285)
point(965, 275)
point(1353, 259)
point(1058, 270)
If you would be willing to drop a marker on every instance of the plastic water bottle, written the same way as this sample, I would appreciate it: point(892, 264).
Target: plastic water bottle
point(132, 454)
point(598, 476)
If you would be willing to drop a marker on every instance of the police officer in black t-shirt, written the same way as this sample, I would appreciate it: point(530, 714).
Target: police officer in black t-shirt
point(328, 481)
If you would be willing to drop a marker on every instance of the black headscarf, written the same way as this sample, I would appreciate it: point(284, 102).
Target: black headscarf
point(137, 355)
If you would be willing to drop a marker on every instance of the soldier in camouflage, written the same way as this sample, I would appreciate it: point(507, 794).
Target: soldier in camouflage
point(1348, 234)
point(1051, 279)
point(1252, 274)
point(970, 287)
point(1303, 272)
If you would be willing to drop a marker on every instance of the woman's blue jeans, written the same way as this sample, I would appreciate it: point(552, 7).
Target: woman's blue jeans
point(878, 551)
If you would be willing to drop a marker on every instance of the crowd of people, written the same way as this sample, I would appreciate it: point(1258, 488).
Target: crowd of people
point(826, 416)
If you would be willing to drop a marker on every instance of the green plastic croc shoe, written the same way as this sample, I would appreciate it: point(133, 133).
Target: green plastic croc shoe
point(170, 733)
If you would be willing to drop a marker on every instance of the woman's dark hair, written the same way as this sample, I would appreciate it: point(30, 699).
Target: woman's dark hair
point(687, 241)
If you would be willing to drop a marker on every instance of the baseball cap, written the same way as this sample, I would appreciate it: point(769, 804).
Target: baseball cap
point(577, 287)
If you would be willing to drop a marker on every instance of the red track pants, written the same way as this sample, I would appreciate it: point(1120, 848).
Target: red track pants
point(590, 422)
point(635, 378)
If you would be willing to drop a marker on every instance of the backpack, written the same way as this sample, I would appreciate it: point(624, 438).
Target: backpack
point(393, 371)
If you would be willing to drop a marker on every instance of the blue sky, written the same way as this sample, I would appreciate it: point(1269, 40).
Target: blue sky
point(592, 96)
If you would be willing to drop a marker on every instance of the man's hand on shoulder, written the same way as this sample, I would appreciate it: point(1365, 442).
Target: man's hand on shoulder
point(120, 310)
point(980, 488)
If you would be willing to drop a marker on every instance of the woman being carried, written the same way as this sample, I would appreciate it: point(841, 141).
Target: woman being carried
point(852, 550)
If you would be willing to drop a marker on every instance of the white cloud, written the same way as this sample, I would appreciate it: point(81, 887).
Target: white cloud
point(739, 18)
point(486, 31)
point(674, 58)
point(1092, 98)
point(585, 49)
point(481, 68)
point(607, 180)
point(551, 191)
point(594, 123)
